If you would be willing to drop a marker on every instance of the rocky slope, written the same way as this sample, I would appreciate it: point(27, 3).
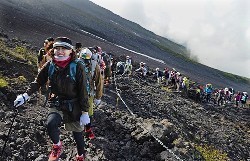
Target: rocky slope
point(155, 124)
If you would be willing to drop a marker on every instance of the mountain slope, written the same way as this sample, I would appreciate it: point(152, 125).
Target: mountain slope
point(36, 20)
point(187, 130)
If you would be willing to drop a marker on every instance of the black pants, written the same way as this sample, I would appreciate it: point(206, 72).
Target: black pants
point(54, 120)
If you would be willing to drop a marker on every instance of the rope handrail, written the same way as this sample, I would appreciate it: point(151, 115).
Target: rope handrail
point(130, 111)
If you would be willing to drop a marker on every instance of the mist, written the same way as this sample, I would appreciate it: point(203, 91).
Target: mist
point(216, 32)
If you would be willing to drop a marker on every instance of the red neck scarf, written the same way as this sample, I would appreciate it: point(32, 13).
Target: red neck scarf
point(62, 64)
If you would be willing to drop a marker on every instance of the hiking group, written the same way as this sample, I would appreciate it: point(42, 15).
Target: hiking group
point(174, 80)
point(74, 77)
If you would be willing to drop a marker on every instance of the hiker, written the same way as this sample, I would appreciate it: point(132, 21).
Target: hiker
point(198, 93)
point(107, 71)
point(208, 92)
point(185, 86)
point(158, 75)
point(113, 66)
point(227, 95)
point(78, 48)
point(44, 53)
point(221, 97)
point(244, 98)
point(98, 60)
point(68, 98)
point(231, 93)
point(178, 81)
point(96, 87)
point(142, 70)
point(167, 76)
point(173, 78)
point(237, 98)
point(128, 66)
point(97, 51)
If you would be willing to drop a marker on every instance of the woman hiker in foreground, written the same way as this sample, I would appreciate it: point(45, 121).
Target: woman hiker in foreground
point(68, 98)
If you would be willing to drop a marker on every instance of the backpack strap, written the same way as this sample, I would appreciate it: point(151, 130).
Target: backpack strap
point(72, 70)
point(51, 69)
point(73, 65)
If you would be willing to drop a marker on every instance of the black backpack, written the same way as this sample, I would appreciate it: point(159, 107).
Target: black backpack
point(106, 59)
point(120, 67)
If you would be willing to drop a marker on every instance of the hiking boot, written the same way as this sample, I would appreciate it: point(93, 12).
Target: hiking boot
point(89, 133)
point(55, 152)
point(80, 158)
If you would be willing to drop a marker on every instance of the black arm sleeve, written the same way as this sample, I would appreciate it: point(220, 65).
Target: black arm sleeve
point(40, 80)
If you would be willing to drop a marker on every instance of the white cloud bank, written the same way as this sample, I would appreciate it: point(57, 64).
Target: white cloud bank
point(217, 31)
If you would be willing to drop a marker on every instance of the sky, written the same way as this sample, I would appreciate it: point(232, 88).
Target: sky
point(215, 31)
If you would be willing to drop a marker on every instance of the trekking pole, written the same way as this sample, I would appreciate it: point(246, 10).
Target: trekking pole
point(47, 96)
point(9, 132)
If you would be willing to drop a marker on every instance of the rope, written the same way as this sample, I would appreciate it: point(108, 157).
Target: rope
point(130, 111)
point(119, 96)
point(162, 144)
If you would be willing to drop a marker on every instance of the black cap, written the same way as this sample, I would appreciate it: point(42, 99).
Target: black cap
point(91, 49)
point(95, 47)
point(78, 45)
point(49, 39)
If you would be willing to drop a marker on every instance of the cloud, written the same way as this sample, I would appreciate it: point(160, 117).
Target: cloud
point(217, 32)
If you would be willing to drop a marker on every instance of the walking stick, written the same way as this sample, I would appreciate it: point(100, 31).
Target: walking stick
point(9, 132)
